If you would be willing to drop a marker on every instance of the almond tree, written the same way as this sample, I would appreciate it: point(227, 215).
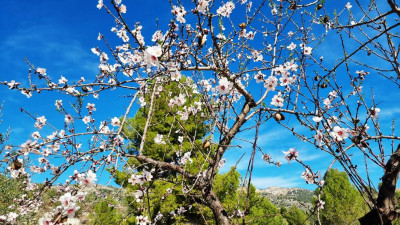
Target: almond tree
point(255, 63)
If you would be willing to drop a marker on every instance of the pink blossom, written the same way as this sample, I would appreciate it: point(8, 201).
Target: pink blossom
point(185, 158)
point(157, 36)
point(180, 12)
point(318, 137)
point(259, 77)
point(270, 83)
point(62, 80)
point(151, 55)
point(40, 122)
point(257, 56)
point(317, 119)
point(71, 209)
point(291, 47)
point(327, 102)
point(41, 71)
point(115, 122)
point(99, 4)
point(86, 119)
point(58, 104)
point(202, 5)
point(224, 86)
point(142, 220)
point(374, 112)
point(142, 101)
point(27, 93)
point(266, 157)
point(307, 50)
point(308, 176)
point(286, 80)
point(12, 84)
point(274, 11)
point(181, 210)
point(339, 134)
point(292, 154)
point(159, 139)
point(135, 179)
point(176, 75)
point(226, 9)
point(277, 100)
point(67, 199)
point(122, 8)
point(68, 119)
point(221, 163)
point(240, 213)
point(88, 179)
point(91, 107)
point(11, 217)
point(320, 204)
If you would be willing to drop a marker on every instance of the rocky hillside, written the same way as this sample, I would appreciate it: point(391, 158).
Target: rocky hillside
point(287, 197)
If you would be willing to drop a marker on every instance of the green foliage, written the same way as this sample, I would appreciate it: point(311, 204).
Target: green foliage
point(165, 122)
point(343, 203)
point(105, 213)
point(49, 196)
point(9, 190)
point(397, 197)
point(261, 210)
point(226, 185)
point(154, 195)
point(294, 216)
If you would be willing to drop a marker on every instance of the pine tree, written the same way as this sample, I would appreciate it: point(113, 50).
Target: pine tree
point(162, 195)
point(294, 216)
point(343, 203)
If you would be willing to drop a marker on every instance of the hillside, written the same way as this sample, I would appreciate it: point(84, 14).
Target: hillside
point(287, 197)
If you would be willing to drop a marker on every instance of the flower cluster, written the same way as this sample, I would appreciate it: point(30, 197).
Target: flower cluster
point(142, 220)
point(10, 218)
point(66, 210)
point(202, 5)
point(159, 139)
point(310, 177)
point(40, 122)
point(140, 178)
point(180, 12)
point(87, 179)
point(267, 158)
point(177, 101)
point(292, 154)
point(226, 9)
point(185, 158)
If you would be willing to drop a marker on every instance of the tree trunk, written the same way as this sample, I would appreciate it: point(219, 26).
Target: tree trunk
point(384, 212)
point(220, 214)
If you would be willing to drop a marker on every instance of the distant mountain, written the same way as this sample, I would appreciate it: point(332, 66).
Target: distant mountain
point(287, 197)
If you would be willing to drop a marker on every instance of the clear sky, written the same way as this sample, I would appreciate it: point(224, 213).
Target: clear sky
point(58, 36)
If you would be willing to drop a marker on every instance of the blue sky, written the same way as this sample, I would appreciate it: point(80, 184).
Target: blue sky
point(58, 36)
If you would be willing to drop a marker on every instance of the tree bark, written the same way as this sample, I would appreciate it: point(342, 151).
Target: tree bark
point(384, 212)
point(220, 214)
